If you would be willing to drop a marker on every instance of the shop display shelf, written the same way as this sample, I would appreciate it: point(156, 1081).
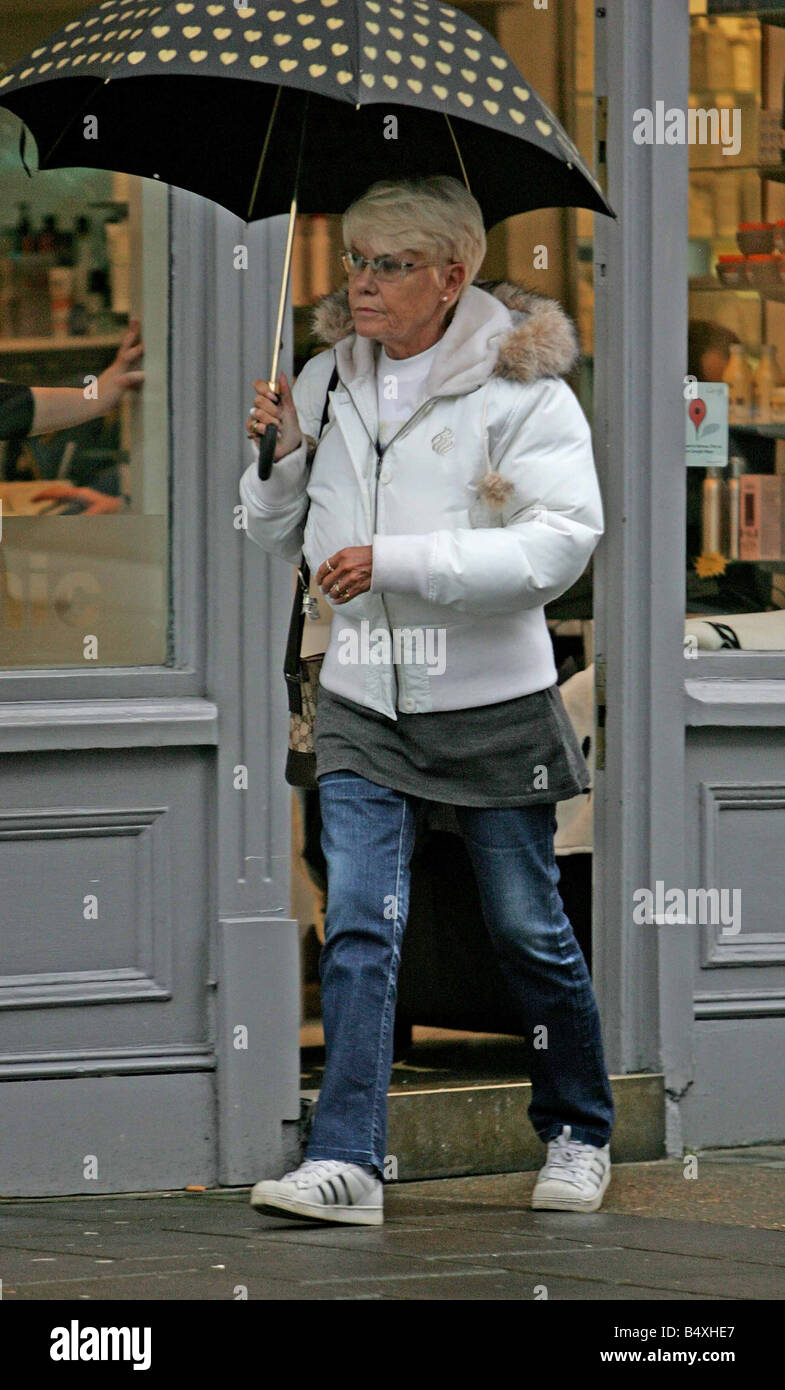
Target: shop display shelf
point(776, 172)
point(747, 95)
point(701, 285)
point(778, 296)
point(775, 430)
point(767, 14)
point(15, 346)
point(706, 284)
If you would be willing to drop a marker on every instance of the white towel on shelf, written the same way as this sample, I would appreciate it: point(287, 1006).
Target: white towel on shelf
point(574, 817)
point(756, 632)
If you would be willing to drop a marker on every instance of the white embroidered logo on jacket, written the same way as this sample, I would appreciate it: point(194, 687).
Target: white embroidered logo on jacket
point(443, 441)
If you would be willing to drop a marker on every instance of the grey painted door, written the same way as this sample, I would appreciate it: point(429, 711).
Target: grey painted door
point(149, 995)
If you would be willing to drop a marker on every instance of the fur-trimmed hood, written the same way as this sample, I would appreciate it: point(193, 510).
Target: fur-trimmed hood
point(542, 341)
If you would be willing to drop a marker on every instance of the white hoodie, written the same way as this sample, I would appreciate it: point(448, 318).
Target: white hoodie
point(486, 505)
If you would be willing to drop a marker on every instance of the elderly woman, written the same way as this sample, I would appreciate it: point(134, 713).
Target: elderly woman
point(452, 494)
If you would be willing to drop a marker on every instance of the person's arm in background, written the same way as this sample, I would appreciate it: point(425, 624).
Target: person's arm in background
point(26, 411)
point(63, 407)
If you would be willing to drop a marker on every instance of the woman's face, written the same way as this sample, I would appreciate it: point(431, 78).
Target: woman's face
point(404, 315)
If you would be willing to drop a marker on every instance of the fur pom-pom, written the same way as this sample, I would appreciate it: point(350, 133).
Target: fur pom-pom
point(494, 489)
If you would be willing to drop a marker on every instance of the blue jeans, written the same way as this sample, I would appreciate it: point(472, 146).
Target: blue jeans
point(368, 838)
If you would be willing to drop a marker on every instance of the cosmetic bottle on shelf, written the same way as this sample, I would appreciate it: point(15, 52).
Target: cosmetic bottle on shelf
point(737, 466)
point(739, 378)
point(711, 512)
point(767, 376)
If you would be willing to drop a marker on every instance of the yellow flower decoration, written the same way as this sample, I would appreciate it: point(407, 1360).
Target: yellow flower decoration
point(709, 564)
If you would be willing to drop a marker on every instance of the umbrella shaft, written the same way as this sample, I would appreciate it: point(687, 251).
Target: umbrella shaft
point(287, 262)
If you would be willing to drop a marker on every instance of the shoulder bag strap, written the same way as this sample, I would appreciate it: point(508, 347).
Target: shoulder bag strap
point(294, 641)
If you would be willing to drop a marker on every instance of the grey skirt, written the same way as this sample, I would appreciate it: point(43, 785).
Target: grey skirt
point(508, 754)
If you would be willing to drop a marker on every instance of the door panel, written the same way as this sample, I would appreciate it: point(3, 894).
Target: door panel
point(736, 842)
point(106, 1134)
point(104, 957)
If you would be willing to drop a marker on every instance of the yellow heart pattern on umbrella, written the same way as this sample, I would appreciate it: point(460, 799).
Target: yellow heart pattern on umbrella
point(360, 52)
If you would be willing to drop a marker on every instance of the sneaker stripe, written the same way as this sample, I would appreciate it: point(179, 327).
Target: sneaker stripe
point(347, 1190)
point(329, 1183)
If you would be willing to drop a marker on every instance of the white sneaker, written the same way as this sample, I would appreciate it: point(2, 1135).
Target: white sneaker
point(574, 1177)
point(325, 1189)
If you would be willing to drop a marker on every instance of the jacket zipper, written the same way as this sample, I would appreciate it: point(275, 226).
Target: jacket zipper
point(379, 460)
point(374, 443)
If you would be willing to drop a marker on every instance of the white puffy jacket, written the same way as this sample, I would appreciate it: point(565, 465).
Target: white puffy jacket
point(484, 506)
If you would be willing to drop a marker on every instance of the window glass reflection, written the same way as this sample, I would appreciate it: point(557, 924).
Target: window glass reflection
point(84, 452)
point(736, 514)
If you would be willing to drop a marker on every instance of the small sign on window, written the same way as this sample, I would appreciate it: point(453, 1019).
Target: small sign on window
point(707, 425)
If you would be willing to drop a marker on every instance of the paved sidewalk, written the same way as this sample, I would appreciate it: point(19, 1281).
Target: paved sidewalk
point(659, 1237)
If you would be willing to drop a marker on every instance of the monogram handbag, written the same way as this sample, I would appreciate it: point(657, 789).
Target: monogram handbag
point(301, 673)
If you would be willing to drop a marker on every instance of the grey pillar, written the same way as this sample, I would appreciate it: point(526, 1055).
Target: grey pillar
point(255, 947)
point(640, 360)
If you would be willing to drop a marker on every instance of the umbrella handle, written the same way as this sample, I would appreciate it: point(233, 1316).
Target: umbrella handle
point(266, 451)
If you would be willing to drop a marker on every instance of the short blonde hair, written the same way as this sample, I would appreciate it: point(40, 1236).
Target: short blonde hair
point(437, 215)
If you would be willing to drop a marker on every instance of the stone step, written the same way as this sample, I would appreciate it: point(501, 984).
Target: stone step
point(452, 1130)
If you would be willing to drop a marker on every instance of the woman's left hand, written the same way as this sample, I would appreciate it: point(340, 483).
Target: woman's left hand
point(347, 573)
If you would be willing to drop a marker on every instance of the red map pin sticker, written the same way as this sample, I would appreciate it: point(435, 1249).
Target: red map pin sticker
point(697, 412)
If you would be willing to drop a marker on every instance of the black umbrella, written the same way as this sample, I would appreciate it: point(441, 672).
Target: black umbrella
point(296, 105)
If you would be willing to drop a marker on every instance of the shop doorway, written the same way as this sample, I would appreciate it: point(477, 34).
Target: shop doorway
point(453, 1025)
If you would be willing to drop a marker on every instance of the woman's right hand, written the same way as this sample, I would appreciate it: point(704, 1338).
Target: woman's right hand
point(269, 409)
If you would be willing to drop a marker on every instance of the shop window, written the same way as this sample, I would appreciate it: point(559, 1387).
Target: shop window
point(735, 589)
point(85, 525)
